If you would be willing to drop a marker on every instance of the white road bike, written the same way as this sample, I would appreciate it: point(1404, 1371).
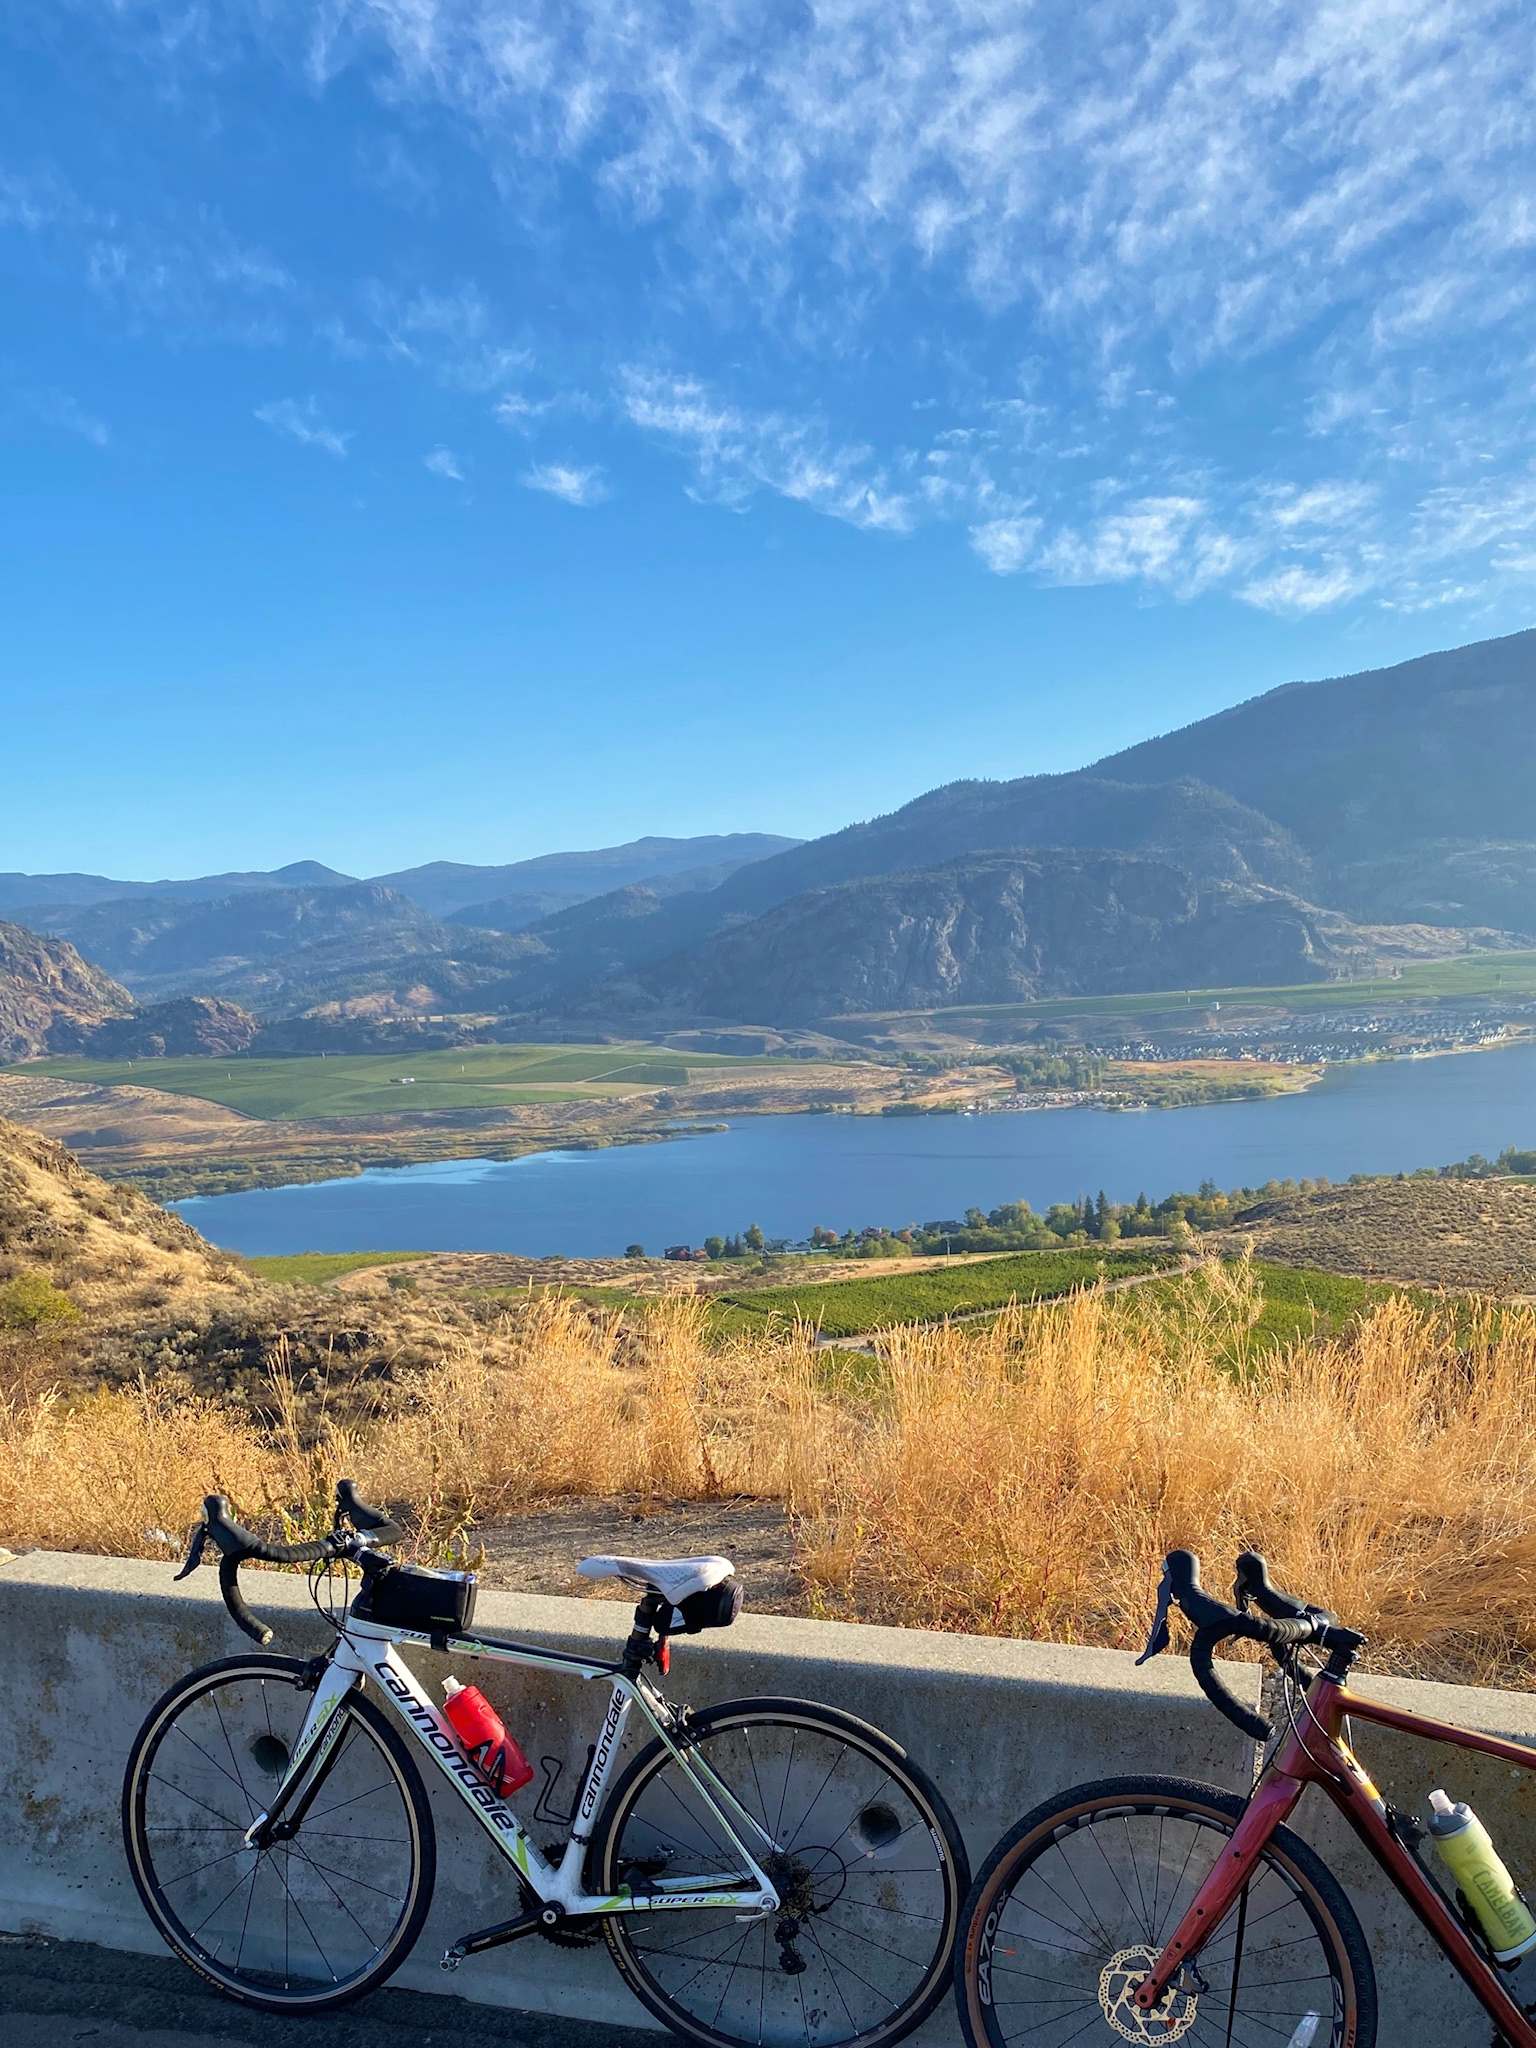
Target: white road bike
point(768, 1872)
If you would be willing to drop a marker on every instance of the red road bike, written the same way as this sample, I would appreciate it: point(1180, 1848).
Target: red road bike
point(1154, 1909)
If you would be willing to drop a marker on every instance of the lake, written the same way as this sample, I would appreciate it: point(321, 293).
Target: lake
point(791, 1172)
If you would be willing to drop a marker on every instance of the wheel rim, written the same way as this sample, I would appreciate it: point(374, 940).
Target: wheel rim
point(1065, 1937)
point(865, 1883)
point(308, 1919)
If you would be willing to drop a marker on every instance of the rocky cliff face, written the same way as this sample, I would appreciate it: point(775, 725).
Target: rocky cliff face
point(185, 1026)
point(1008, 928)
point(50, 998)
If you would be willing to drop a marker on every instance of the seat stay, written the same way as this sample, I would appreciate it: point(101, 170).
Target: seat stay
point(719, 1795)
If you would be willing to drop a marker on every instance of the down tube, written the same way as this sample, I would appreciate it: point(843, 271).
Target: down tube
point(432, 1731)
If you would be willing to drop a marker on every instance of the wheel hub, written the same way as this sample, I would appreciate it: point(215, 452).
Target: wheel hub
point(809, 1881)
point(1169, 2020)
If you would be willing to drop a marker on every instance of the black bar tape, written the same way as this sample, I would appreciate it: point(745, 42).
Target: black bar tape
point(1202, 1652)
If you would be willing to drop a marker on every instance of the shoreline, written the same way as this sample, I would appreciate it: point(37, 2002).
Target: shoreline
point(173, 1181)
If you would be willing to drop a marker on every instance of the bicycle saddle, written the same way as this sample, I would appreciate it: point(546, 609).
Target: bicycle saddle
point(675, 1578)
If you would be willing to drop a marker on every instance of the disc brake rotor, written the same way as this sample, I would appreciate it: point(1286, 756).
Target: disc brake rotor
point(1170, 2020)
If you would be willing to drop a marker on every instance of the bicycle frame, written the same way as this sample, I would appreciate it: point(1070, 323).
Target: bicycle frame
point(365, 1653)
point(1318, 1753)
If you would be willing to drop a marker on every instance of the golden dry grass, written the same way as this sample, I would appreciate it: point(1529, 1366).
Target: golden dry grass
point(1021, 1479)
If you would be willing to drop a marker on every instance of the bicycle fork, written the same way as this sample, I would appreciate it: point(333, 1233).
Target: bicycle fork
point(307, 1763)
point(1273, 1802)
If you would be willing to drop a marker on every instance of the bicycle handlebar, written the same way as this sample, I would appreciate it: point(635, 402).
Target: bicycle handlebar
point(1284, 1624)
point(238, 1545)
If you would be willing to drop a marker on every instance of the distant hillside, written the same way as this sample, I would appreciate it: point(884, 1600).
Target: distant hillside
point(1343, 795)
point(1009, 928)
point(1204, 830)
point(548, 882)
point(50, 999)
point(1399, 782)
point(281, 950)
point(21, 892)
point(555, 880)
point(516, 913)
point(1322, 825)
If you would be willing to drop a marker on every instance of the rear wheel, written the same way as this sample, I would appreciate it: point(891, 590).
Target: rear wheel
point(1074, 1905)
point(308, 1923)
point(868, 1866)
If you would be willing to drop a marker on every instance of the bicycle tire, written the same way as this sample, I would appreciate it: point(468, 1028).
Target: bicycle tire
point(1322, 1898)
point(288, 1673)
point(946, 1880)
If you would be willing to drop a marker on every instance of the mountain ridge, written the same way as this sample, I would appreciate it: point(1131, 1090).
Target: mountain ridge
point(1310, 824)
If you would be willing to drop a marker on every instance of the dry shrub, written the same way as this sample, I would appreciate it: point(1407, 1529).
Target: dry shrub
point(1024, 1478)
point(549, 1401)
point(1027, 1480)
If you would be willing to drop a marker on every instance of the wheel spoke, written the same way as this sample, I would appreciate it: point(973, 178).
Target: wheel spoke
point(301, 1935)
point(1135, 1877)
point(729, 1984)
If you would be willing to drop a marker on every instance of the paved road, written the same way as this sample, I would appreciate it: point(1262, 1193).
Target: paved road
point(54, 1994)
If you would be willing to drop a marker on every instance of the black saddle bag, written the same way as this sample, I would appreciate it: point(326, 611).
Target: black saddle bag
point(717, 1607)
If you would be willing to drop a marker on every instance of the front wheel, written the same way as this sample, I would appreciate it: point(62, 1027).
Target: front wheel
point(1080, 1898)
point(310, 1922)
point(866, 1859)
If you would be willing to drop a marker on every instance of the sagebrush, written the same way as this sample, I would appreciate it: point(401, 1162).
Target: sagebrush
point(1022, 1478)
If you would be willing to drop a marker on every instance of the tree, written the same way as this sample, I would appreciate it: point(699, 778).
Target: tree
point(715, 1247)
point(753, 1237)
point(634, 1251)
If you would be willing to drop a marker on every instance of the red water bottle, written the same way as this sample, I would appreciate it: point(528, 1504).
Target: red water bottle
point(479, 1727)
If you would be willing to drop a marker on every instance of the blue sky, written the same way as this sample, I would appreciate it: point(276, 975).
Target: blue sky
point(452, 428)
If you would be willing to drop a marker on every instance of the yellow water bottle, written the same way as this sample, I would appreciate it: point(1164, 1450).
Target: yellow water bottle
point(1469, 1855)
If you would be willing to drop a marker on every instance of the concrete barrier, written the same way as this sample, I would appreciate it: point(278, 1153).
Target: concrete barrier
point(89, 1643)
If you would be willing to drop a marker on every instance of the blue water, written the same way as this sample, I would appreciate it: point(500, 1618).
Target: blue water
point(790, 1172)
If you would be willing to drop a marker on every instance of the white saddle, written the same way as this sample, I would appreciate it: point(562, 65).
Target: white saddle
point(675, 1578)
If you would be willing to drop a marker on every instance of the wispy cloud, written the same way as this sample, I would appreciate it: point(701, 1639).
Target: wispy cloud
point(1006, 545)
point(451, 333)
point(735, 452)
point(444, 463)
point(576, 485)
point(516, 410)
point(1175, 295)
point(184, 272)
point(1300, 590)
point(60, 409)
point(299, 419)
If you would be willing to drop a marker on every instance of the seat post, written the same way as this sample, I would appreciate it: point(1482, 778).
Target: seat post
point(650, 1613)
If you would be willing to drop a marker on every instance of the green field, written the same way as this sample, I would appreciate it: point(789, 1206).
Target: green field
point(1299, 1301)
point(370, 1084)
point(1466, 975)
point(319, 1269)
point(848, 1308)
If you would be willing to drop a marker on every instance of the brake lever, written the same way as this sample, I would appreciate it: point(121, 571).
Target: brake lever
point(1157, 1642)
point(195, 1552)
